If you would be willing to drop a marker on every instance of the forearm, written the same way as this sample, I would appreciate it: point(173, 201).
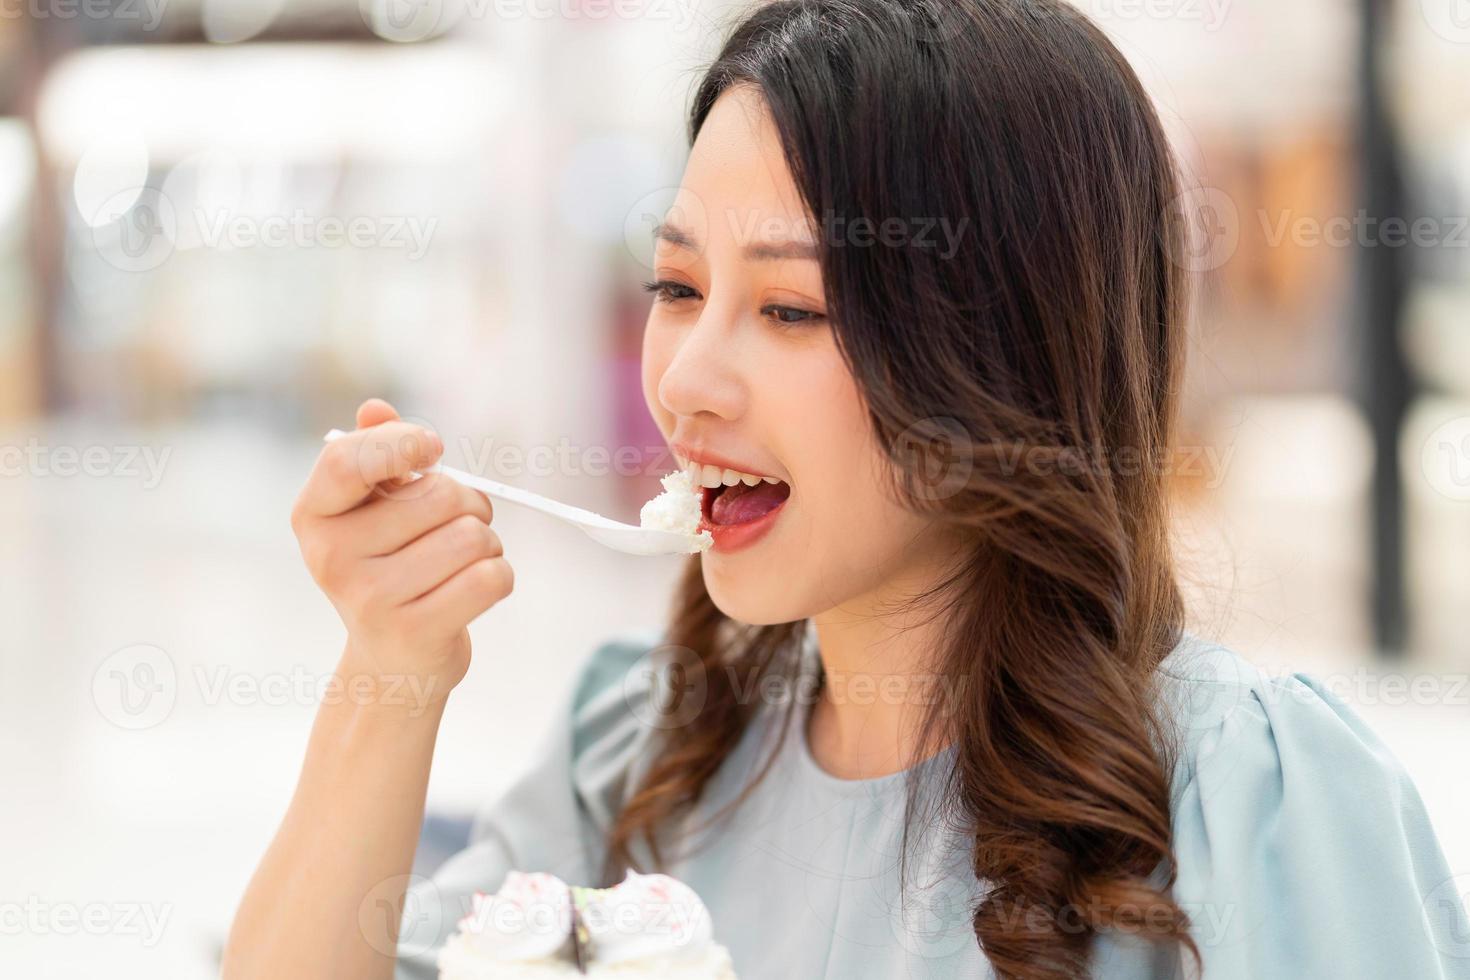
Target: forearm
point(407, 572)
point(325, 900)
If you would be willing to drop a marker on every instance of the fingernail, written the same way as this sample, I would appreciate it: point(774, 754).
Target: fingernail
point(435, 443)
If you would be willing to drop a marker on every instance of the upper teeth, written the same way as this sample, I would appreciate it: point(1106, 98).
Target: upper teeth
point(714, 476)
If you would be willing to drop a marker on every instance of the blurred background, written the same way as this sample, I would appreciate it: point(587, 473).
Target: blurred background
point(223, 223)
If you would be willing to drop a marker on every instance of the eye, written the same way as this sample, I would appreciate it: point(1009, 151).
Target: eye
point(668, 291)
point(790, 315)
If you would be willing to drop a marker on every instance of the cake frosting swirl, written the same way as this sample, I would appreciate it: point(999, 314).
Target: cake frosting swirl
point(536, 926)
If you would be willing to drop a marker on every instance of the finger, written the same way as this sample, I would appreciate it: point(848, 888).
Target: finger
point(349, 468)
point(467, 594)
point(375, 411)
point(428, 562)
point(399, 515)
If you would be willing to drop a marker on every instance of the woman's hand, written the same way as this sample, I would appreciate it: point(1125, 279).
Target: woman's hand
point(407, 563)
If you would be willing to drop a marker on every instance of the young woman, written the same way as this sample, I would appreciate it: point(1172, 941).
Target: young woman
point(936, 713)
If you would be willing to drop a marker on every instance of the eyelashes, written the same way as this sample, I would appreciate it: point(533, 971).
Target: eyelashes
point(669, 291)
point(665, 290)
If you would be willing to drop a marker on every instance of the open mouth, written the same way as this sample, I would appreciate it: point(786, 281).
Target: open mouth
point(742, 503)
point(737, 508)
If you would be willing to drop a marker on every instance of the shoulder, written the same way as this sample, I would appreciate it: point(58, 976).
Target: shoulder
point(1229, 716)
point(1300, 840)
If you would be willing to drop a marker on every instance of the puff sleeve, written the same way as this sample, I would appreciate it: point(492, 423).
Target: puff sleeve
point(1303, 848)
point(553, 816)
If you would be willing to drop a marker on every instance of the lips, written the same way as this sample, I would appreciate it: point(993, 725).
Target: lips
point(739, 503)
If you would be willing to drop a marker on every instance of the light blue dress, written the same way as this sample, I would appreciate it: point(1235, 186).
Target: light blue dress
point(1304, 851)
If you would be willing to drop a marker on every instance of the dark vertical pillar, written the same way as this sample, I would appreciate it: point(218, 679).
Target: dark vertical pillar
point(1382, 283)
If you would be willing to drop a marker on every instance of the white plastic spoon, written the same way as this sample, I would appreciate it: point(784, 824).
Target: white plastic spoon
point(627, 538)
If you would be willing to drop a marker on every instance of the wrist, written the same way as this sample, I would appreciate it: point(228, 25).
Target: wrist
point(369, 691)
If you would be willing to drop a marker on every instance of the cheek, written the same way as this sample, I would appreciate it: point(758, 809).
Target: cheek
point(851, 519)
point(657, 354)
point(838, 460)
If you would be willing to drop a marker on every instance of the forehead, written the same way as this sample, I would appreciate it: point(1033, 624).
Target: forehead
point(737, 183)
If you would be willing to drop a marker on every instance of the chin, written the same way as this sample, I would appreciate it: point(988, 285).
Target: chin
point(758, 602)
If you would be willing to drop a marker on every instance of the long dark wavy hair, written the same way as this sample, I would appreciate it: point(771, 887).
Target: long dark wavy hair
point(1038, 364)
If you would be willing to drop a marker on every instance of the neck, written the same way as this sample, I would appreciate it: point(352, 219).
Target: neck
point(881, 674)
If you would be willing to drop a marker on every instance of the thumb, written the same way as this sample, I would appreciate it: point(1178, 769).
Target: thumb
point(375, 411)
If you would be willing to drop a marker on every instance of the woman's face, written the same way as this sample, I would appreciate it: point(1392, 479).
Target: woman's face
point(741, 370)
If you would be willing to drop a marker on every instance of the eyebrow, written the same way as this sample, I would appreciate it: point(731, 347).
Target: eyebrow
point(680, 238)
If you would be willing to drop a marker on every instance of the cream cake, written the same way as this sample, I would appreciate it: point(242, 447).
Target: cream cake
point(677, 509)
point(536, 927)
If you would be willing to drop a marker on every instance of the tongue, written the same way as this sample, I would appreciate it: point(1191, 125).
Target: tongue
point(740, 504)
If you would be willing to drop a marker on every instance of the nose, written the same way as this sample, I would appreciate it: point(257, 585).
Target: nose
point(704, 374)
